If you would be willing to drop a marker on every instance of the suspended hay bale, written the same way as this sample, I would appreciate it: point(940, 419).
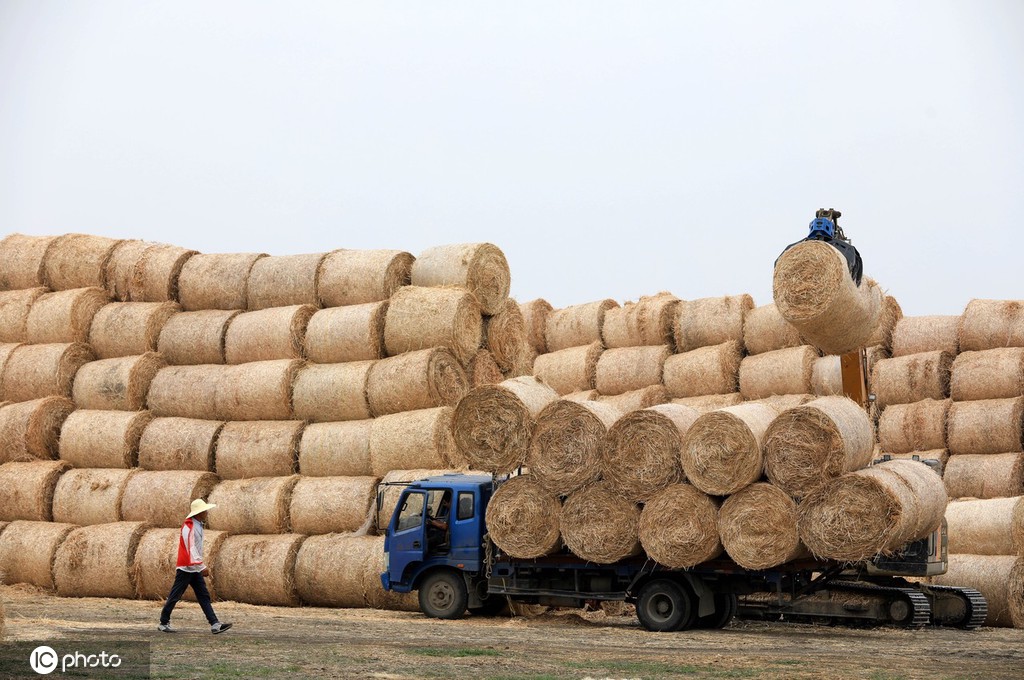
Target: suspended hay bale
point(646, 322)
point(577, 325)
point(97, 561)
point(986, 527)
point(806, 446)
point(506, 337)
point(192, 338)
point(120, 270)
point(26, 489)
point(261, 390)
point(483, 370)
point(636, 399)
point(781, 402)
point(390, 489)
point(989, 374)
point(15, 306)
point(259, 449)
point(599, 525)
point(352, 333)
point(328, 570)
point(535, 317)
point(333, 392)
point(415, 380)
point(990, 475)
point(162, 497)
point(31, 429)
point(493, 424)
point(764, 330)
point(422, 318)
point(758, 526)
point(116, 384)
point(156, 557)
point(284, 280)
point(179, 444)
point(679, 528)
point(90, 496)
point(583, 395)
point(889, 316)
point(626, 369)
point(184, 391)
point(783, 371)
point(123, 329)
point(414, 439)
point(703, 371)
point(276, 333)
point(336, 449)
point(354, 277)
point(910, 378)
point(989, 426)
point(987, 324)
point(28, 549)
point(721, 452)
point(64, 316)
point(917, 334)
point(157, 273)
point(522, 518)
point(258, 569)
point(252, 506)
point(641, 451)
point(711, 321)
point(78, 261)
point(216, 281)
point(827, 376)
point(913, 427)
point(102, 439)
point(373, 592)
point(1000, 578)
point(480, 268)
point(22, 257)
point(710, 402)
point(328, 505)
point(569, 370)
point(565, 452)
point(929, 491)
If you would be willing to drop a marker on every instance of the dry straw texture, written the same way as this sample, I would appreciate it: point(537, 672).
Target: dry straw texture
point(569, 370)
point(391, 486)
point(333, 449)
point(258, 569)
point(156, 557)
point(989, 374)
point(193, 338)
point(645, 322)
point(783, 371)
point(535, 316)
point(873, 355)
point(415, 439)
point(252, 506)
point(917, 334)
point(758, 527)
point(782, 402)
point(710, 321)
point(156, 275)
point(259, 449)
point(64, 316)
point(121, 268)
point(599, 525)
point(415, 380)
point(582, 395)
point(184, 391)
point(328, 571)
point(284, 280)
point(216, 281)
point(706, 370)
point(480, 268)
point(332, 392)
point(576, 325)
point(327, 505)
point(422, 318)
point(267, 334)
point(123, 329)
point(1000, 578)
point(522, 519)
point(103, 439)
point(354, 277)
point(764, 330)
point(505, 335)
point(28, 549)
point(97, 561)
point(483, 370)
point(913, 427)
point(626, 369)
point(116, 384)
point(890, 315)
point(78, 261)
point(179, 444)
point(261, 390)
point(162, 497)
point(990, 475)
point(15, 306)
point(827, 378)
point(565, 453)
point(987, 324)
point(679, 527)
point(910, 378)
point(90, 496)
point(990, 426)
point(721, 452)
point(26, 489)
point(986, 527)
point(710, 402)
point(352, 333)
point(31, 429)
point(22, 258)
point(635, 400)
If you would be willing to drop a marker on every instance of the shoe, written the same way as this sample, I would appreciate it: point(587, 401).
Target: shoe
point(219, 627)
point(166, 628)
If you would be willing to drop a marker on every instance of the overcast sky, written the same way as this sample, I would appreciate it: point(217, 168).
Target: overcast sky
point(610, 149)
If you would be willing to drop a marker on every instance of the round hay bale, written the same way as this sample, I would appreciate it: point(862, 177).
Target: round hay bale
point(156, 557)
point(64, 316)
point(806, 446)
point(721, 452)
point(102, 439)
point(929, 491)
point(328, 505)
point(535, 317)
point(162, 497)
point(522, 519)
point(78, 261)
point(483, 370)
point(15, 306)
point(30, 430)
point(284, 280)
point(711, 321)
point(415, 380)
point(354, 277)
point(116, 384)
point(179, 444)
point(157, 273)
point(782, 402)
point(888, 317)
point(873, 355)
point(783, 371)
point(258, 449)
point(764, 330)
point(26, 489)
point(414, 439)
point(569, 370)
point(989, 374)
point(22, 258)
point(258, 569)
point(913, 427)
point(583, 395)
point(184, 391)
point(90, 496)
point(645, 322)
point(565, 452)
point(986, 526)
point(635, 400)
point(758, 526)
point(599, 525)
point(987, 324)
point(352, 333)
point(641, 451)
point(336, 449)
point(390, 489)
point(679, 527)
point(97, 561)
point(917, 334)
point(626, 369)
point(506, 337)
point(328, 570)
point(480, 268)
point(123, 329)
point(373, 591)
point(577, 325)
point(989, 426)
point(827, 376)
point(422, 318)
point(193, 338)
point(1000, 578)
point(216, 281)
point(990, 475)
point(261, 390)
point(28, 549)
point(120, 271)
point(703, 371)
point(333, 392)
point(910, 378)
point(710, 402)
point(277, 333)
point(493, 424)
point(252, 506)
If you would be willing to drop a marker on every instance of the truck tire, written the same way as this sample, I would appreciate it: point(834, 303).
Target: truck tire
point(664, 606)
point(725, 609)
point(443, 595)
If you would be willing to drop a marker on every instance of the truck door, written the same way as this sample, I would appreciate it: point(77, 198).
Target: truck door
point(408, 541)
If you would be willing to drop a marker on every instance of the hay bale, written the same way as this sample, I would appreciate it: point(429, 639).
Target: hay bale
point(989, 426)
point(156, 557)
point(577, 325)
point(374, 564)
point(702, 371)
point(102, 439)
point(328, 570)
point(415, 380)
point(783, 371)
point(120, 270)
point(333, 392)
point(480, 268)
point(123, 329)
point(78, 261)
point(986, 526)
point(116, 384)
point(284, 280)
point(492, 425)
point(989, 475)
point(640, 455)
point(764, 330)
point(336, 449)
point(678, 527)
point(711, 321)
point(582, 395)
point(216, 281)
point(535, 317)
point(258, 505)
point(987, 324)
point(599, 525)
point(258, 449)
point(1000, 578)
point(390, 489)
point(28, 549)
point(758, 527)
point(506, 337)
point(635, 400)
point(806, 446)
point(721, 452)
point(625, 369)
point(184, 391)
point(352, 333)
point(917, 334)
point(422, 318)
point(988, 374)
point(258, 569)
point(569, 370)
point(261, 390)
point(26, 489)
point(15, 306)
point(64, 316)
point(354, 277)
point(645, 322)
point(873, 355)
point(193, 338)
point(414, 439)
point(710, 402)
point(910, 378)
point(827, 376)
point(483, 370)
point(97, 560)
point(888, 317)
point(179, 444)
point(90, 496)
point(162, 497)
point(522, 518)
point(565, 452)
point(157, 273)
point(328, 505)
point(30, 430)
point(781, 402)
point(267, 334)
point(929, 490)
point(22, 257)
point(913, 427)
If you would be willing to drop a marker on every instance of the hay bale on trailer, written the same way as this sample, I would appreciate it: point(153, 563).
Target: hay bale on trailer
point(258, 569)
point(28, 550)
point(179, 444)
point(26, 489)
point(90, 496)
point(573, 369)
point(566, 447)
point(22, 257)
point(336, 449)
point(194, 338)
point(635, 400)
point(15, 306)
point(710, 402)
point(599, 525)
point(989, 475)
point(918, 334)
point(64, 316)
point(116, 384)
point(354, 277)
point(764, 330)
point(522, 518)
point(913, 427)
point(156, 557)
point(710, 321)
point(284, 280)
point(30, 430)
point(986, 526)
point(987, 324)
point(648, 321)
point(910, 378)
point(989, 426)
point(102, 439)
point(535, 317)
point(78, 261)
point(258, 449)
point(343, 334)
point(706, 370)
point(216, 281)
point(332, 392)
point(988, 374)
point(626, 369)
point(1000, 578)
point(161, 498)
point(123, 329)
point(415, 380)
point(577, 325)
point(758, 527)
point(97, 560)
point(414, 439)
point(721, 452)
point(678, 527)
point(480, 268)
point(252, 506)
point(423, 318)
point(783, 371)
point(157, 272)
point(330, 505)
point(277, 333)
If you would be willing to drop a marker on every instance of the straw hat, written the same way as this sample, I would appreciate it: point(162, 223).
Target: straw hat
point(198, 506)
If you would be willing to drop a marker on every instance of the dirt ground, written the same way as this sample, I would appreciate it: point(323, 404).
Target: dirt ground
point(272, 642)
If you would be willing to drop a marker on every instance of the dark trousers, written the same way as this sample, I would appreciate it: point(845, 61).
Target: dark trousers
point(182, 580)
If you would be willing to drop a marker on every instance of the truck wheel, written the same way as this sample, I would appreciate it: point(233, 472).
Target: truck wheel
point(725, 609)
point(443, 595)
point(664, 606)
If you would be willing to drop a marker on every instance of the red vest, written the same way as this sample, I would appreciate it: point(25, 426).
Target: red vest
point(188, 555)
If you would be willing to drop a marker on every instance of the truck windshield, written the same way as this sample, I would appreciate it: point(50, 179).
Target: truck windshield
point(411, 515)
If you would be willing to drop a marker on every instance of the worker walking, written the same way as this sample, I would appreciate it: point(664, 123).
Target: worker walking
point(825, 227)
point(191, 571)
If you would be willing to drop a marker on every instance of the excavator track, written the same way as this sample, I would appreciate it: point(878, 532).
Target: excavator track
point(909, 608)
point(969, 611)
